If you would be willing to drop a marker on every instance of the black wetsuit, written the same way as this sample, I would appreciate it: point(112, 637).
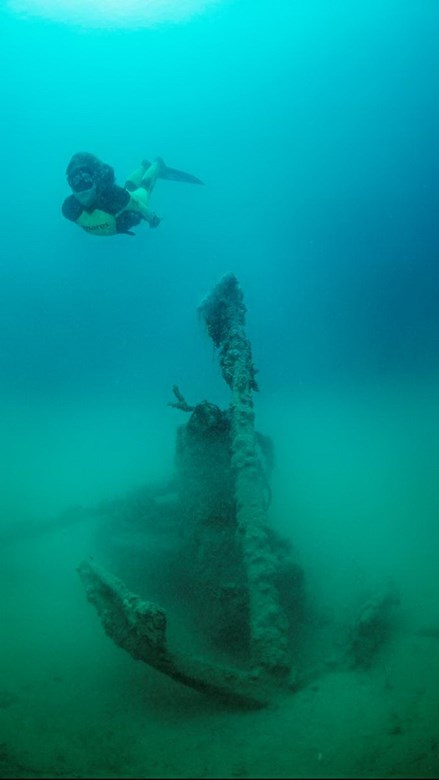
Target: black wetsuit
point(108, 214)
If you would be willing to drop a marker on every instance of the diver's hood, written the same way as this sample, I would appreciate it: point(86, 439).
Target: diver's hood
point(85, 171)
point(83, 160)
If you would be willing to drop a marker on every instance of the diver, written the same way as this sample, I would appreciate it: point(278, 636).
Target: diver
point(101, 207)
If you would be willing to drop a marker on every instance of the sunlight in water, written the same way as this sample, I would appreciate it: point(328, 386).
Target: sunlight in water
point(112, 13)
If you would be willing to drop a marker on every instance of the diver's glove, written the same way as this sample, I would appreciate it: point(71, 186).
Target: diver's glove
point(154, 221)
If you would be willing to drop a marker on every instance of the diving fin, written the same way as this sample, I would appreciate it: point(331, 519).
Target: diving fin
point(172, 174)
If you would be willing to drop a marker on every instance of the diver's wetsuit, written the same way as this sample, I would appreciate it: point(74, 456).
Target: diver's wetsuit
point(113, 212)
point(114, 209)
point(102, 208)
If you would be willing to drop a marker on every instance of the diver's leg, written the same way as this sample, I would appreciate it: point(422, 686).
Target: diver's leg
point(140, 202)
point(145, 176)
point(151, 175)
point(136, 177)
point(141, 196)
point(140, 186)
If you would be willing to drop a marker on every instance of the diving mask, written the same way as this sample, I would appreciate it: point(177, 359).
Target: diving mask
point(81, 179)
point(83, 184)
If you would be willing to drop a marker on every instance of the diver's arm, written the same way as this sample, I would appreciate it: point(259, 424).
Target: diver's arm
point(128, 210)
point(126, 220)
point(71, 208)
point(137, 205)
point(152, 219)
point(116, 200)
point(113, 199)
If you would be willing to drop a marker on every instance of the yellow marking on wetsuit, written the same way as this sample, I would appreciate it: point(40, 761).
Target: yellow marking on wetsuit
point(98, 223)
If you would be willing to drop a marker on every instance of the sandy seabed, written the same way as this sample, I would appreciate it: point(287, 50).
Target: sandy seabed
point(74, 705)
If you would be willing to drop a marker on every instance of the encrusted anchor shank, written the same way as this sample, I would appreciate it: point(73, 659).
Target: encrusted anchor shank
point(224, 313)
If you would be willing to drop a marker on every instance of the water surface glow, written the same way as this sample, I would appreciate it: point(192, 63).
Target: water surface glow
point(111, 13)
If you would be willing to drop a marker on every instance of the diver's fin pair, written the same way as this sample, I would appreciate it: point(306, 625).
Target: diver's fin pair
point(172, 174)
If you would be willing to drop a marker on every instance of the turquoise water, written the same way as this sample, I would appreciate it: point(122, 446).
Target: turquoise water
point(314, 127)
